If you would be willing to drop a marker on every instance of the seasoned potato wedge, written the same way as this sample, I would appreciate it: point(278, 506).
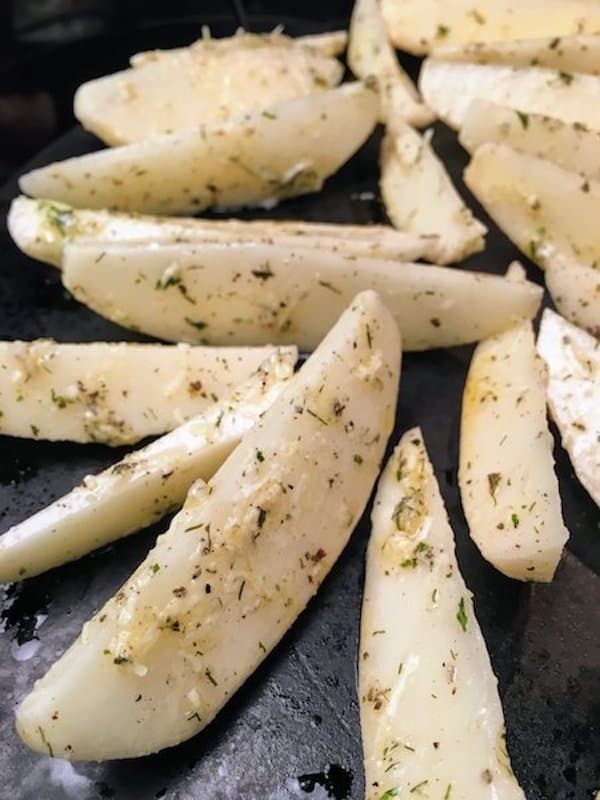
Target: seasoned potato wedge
point(575, 291)
point(421, 25)
point(208, 82)
point(114, 393)
point(578, 53)
point(420, 198)
point(572, 357)
point(238, 564)
point(572, 147)
point(449, 88)
point(283, 151)
point(264, 293)
point(42, 227)
point(526, 198)
point(143, 486)
point(506, 473)
point(371, 58)
point(424, 673)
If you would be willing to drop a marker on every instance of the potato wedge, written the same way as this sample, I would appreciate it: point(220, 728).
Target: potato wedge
point(331, 43)
point(424, 671)
point(421, 25)
point(572, 147)
point(209, 82)
point(506, 474)
point(238, 564)
point(42, 227)
point(449, 88)
point(526, 198)
point(572, 357)
point(283, 151)
point(114, 393)
point(264, 293)
point(372, 59)
point(145, 485)
point(578, 53)
point(420, 198)
point(575, 291)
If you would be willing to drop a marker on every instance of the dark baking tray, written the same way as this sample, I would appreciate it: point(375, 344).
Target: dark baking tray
point(292, 731)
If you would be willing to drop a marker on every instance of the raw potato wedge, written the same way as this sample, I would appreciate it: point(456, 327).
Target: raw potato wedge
point(372, 59)
point(579, 53)
point(572, 357)
point(420, 198)
point(331, 43)
point(424, 672)
point(572, 147)
point(256, 160)
point(526, 198)
point(238, 564)
point(113, 393)
point(449, 88)
point(41, 228)
point(421, 25)
point(263, 293)
point(143, 486)
point(506, 474)
point(208, 82)
point(575, 291)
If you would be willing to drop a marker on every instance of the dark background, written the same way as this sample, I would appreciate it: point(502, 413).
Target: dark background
point(292, 731)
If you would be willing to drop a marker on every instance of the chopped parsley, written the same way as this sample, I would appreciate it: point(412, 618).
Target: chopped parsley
point(523, 119)
point(515, 520)
point(358, 459)
point(566, 77)
point(260, 456)
point(461, 615)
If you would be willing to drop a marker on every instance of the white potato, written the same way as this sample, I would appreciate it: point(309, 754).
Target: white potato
point(421, 25)
point(113, 393)
point(420, 197)
point(331, 43)
point(42, 227)
point(449, 88)
point(371, 58)
point(526, 198)
point(578, 53)
point(209, 82)
point(238, 564)
point(143, 486)
point(572, 147)
point(506, 474)
point(572, 357)
point(244, 293)
point(424, 672)
point(282, 151)
point(575, 290)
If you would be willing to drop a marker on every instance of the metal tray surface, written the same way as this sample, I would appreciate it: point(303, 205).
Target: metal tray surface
point(292, 731)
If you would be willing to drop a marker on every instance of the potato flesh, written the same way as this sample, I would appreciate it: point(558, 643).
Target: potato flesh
point(371, 57)
point(42, 227)
point(525, 196)
point(145, 485)
point(424, 672)
point(572, 357)
point(508, 487)
point(420, 198)
point(113, 393)
point(198, 85)
point(421, 25)
point(566, 53)
point(283, 151)
point(572, 147)
point(450, 87)
point(261, 536)
point(268, 294)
